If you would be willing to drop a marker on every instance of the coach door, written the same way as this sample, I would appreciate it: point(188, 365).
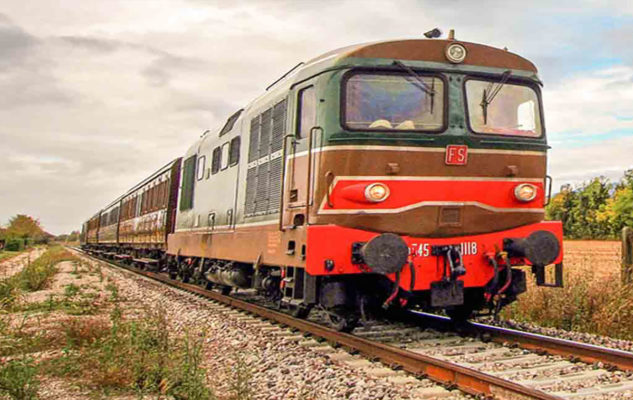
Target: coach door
point(297, 159)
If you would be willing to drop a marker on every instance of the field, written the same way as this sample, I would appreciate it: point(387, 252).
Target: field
point(593, 299)
point(605, 256)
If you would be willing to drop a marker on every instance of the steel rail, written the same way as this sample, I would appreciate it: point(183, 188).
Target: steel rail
point(584, 352)
point(466, 379)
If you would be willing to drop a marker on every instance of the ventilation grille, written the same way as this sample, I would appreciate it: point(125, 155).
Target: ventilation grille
point(274, 177)
point(264, 175)
point(253, 144)
point(251, 187)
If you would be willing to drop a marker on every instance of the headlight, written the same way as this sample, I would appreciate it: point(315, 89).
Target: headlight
point(455, 53)
point(525, 192)
point(376, 192)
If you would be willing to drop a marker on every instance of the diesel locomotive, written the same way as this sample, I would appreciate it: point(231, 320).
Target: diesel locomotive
point(376, 177)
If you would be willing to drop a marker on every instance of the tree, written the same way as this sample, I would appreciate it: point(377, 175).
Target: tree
point(24, 227)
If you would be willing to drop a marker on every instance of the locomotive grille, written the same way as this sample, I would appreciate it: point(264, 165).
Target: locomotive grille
point(264, 175)
point(251, 187)
point(275, 185)
point(279, 126)
point(253, 144)
point(261, 196)
point(266, 131)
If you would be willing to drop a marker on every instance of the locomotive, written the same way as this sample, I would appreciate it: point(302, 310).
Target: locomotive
point(373, 178)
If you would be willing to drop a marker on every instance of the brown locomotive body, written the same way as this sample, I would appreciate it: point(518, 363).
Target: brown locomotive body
point(404, 173)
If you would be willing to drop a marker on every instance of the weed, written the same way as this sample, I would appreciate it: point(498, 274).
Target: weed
point(71, 291)
point(189, 378)
point(114, 291)
point(592, 301)
point(18, 379)
point(241, 384)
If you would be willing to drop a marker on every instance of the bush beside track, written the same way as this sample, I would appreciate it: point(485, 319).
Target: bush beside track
point(593, 299)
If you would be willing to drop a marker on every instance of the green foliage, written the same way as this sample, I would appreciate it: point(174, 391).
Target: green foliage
point(14, 244)
point(18, 379)
point(598, 209)
point(25, 227)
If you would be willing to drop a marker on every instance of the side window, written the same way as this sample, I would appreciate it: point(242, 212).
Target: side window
point(201, 163)
point(234, 152)
point(188, 181)
point(230, 122)
point(217, 158)
point(307, 111)
point(224, 158)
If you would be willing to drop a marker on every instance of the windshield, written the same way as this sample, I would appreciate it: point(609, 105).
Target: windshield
point(398, 102)
point(514, 110)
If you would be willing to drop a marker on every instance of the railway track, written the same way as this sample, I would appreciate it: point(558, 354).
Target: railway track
point(482, 360)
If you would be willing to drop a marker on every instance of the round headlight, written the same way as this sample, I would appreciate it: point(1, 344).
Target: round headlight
point(455, 53)
point(376, 192)
point(525, 192)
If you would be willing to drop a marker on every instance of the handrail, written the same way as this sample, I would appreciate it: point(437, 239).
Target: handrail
point(309, 185)
point(283, 181)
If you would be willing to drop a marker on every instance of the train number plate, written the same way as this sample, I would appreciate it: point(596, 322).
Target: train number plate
point(456, 154)
point(424, 249)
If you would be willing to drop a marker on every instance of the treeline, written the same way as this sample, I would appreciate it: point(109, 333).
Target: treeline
point(597, 209)
point(22, 231)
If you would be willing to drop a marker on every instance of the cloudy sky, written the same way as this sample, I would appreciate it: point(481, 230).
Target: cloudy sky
point(95, 95)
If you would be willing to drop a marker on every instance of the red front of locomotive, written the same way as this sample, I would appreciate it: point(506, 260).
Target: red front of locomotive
point(465, 272)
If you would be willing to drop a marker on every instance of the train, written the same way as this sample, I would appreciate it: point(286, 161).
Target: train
point(376, 178)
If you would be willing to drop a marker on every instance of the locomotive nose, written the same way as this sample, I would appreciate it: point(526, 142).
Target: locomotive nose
point(540, 248)
point(385, 254)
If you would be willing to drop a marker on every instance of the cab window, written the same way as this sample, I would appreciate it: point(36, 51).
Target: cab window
point(393, 102)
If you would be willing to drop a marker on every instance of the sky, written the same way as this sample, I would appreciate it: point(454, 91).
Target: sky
point(96, 95)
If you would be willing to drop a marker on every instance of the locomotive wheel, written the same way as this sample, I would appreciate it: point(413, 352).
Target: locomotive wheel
point(226, 290)
point(301, 311)
point(342, 320)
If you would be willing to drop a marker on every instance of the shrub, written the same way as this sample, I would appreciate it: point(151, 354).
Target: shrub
point(14, 245)
point(587, 303)
point(18, 379)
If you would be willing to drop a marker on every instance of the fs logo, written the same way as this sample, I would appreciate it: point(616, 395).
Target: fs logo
point(456, 154)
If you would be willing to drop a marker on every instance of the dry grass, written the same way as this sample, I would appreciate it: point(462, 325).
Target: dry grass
point(593, 299)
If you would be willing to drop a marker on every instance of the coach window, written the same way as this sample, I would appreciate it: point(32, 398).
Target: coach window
point(234, 152)
point(215, 163)
point(307, 111)
point(201, 163)
point(225, 156)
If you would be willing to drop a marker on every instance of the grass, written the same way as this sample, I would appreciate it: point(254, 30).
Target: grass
point(137, 356)
point(18, 379)
point(93, 344)
point(592, 301)
point(35, 276)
